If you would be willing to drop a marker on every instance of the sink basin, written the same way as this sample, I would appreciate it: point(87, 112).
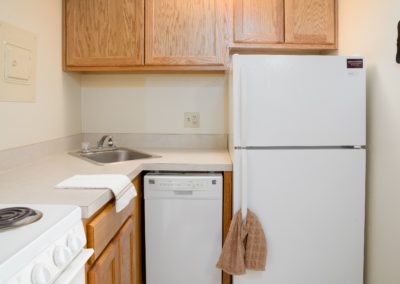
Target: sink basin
point(115, 155)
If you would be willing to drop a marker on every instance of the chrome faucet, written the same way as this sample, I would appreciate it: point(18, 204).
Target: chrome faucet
point(110, 143)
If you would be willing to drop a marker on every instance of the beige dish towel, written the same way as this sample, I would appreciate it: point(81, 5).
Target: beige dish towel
point(232, 256)
point(255, 243)
point(245, 246)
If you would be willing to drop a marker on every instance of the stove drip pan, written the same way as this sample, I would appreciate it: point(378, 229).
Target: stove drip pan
point(14, 217)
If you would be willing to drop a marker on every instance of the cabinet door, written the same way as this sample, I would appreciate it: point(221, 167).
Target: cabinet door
point(310, 21)
point(104, 32)
point(258, 21)
point(126, 249)
point(184, 32)
point(106, 270)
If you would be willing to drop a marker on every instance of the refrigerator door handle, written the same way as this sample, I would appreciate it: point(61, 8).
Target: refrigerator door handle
point(244, 184)
point(242, 110)
point(242, 144)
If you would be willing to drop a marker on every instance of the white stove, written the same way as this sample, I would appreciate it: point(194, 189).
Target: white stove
point(49, 250)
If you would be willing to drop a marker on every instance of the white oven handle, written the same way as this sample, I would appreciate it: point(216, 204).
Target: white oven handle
point(75, 267)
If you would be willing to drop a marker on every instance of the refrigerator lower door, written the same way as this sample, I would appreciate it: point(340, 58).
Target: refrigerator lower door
point(311, 205)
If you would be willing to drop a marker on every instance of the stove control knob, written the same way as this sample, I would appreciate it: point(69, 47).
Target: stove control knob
point(40, 274)
point(74, 243)
point(61, 256)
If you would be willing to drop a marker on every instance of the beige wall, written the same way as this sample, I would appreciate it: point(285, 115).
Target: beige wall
point(56, 112)
point(155, 104)
point(146, 103)
point(369, 27)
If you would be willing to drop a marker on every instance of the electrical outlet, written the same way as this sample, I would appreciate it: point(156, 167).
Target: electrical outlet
point(192, 119)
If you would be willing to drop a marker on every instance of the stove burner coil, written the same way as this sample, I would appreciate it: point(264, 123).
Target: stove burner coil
point(18, 216)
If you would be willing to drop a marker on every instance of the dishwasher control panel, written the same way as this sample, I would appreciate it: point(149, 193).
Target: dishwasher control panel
point(182, 184)
point(170, 184)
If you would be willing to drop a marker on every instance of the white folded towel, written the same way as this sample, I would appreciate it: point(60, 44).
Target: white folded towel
point(120, 185)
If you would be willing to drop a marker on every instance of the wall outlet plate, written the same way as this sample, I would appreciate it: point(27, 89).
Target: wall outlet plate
point(192, 119)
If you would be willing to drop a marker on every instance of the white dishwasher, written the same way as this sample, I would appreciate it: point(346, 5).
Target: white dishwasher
point(183, 228)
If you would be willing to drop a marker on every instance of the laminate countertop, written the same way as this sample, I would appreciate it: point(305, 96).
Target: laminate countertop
point(35, 182)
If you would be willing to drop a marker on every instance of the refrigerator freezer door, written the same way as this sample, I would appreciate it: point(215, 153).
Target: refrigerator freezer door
point(297, 101)
point(311, 205)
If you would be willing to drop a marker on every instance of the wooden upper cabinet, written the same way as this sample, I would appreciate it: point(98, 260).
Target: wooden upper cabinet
point(184, 32)
point(258, 21)
point(310, 21)
point(104, 32)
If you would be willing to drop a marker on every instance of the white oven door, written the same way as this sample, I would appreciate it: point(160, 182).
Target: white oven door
point(75, 272)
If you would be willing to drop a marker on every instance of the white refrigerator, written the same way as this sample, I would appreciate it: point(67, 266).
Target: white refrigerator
point(297, 140)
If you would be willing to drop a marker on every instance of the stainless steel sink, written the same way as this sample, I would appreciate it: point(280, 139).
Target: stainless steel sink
point(113, 155)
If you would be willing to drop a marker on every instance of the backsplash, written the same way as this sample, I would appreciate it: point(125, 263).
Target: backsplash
point(165, 141)
point(153, 103)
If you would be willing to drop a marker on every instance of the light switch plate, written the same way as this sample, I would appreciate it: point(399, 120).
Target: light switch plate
point(17, 64)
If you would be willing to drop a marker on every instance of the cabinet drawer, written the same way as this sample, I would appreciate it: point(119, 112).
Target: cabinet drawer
point(102, 229)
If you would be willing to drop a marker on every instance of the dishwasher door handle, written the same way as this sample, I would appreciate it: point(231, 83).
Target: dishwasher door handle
point(183, 192)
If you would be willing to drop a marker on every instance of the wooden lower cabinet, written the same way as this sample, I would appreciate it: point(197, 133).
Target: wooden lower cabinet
point(126, 253)
point(117, 241)
point(227, 215)
point(106, 268)
point(138, 240)
point(116, 264)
